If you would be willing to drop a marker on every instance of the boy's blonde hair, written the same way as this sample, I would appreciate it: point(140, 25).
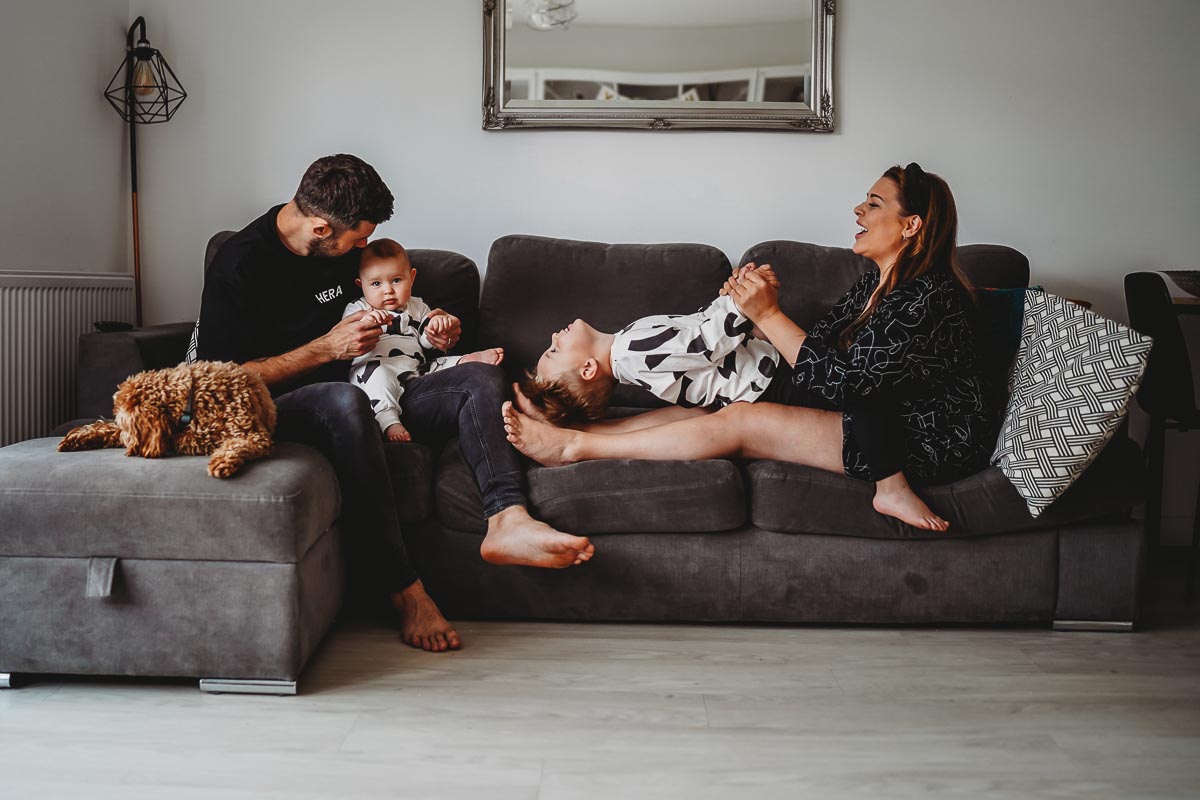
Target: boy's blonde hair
point(569, 398)
point(383, 249)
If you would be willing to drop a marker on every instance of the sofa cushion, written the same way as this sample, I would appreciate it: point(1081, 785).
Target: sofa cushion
point(633, 496)
point(791, 498)
point(535, 286)
point(1074, 376)
point(618, 496)
point(101, 503)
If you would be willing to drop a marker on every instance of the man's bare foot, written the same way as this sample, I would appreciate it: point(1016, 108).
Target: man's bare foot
point(527, 406)
point(545, 444)
point(895, 498)
point(514, 537)
point(493, 355)
point(397, 433)
point(421, 624)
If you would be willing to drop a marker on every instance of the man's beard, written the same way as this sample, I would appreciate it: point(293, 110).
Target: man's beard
point(323, 248)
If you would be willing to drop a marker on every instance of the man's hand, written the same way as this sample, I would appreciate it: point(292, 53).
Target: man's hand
point(444, 329)
point(354, 335)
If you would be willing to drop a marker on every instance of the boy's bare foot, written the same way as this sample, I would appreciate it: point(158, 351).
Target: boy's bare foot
point(397, 433)
point(514, 537)
point(421, 624)
point(493, 355)
point(527, 406)
point(545, 444)
point(895, 498)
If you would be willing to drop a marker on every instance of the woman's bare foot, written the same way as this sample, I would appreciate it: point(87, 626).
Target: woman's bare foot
point(514, 537)
point(493, 355)
point(894, 497)
point(421, 624)
point(397, 433)
point(545, 444)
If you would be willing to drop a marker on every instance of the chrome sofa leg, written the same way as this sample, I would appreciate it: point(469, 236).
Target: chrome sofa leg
point(6, 680)
point(246, 686)
point(1103, 626)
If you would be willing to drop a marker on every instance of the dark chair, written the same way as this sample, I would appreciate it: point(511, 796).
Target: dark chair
point(1166, 393)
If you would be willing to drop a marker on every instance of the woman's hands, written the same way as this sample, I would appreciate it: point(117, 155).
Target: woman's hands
point(755, 291)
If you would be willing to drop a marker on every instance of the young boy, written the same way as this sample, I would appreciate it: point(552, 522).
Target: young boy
point(708, 359)
point(403, 352)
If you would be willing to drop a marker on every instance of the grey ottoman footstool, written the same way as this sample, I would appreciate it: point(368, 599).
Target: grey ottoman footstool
point(127, 566)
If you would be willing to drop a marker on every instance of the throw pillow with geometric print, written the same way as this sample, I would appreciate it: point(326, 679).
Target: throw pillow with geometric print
point(1070, 386)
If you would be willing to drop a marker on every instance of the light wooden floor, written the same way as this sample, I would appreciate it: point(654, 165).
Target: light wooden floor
point(554, 711)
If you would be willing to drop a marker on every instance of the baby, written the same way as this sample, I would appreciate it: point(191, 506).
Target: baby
point(404, 351)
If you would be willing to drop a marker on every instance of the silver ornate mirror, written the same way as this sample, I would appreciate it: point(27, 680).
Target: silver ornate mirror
point(658, 64)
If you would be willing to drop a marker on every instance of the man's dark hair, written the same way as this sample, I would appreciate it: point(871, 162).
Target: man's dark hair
point(344, 190)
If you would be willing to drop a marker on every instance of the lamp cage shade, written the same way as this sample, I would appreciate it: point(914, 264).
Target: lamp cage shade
point(144, 88)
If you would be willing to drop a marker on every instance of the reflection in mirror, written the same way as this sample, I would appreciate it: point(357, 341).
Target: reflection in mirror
point(661, 64)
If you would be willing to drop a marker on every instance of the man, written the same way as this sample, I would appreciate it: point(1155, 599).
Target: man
point(273, 301)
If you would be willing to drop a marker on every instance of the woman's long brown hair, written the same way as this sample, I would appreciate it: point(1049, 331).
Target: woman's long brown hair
point(934, 246)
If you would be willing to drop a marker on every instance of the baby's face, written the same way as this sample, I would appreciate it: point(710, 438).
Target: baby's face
point(569, 350)
point(386, 282)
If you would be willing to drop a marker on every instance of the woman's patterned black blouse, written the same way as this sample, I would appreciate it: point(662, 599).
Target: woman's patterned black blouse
point(915, 359)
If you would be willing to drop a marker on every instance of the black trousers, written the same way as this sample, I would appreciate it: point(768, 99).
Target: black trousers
point(336, 419)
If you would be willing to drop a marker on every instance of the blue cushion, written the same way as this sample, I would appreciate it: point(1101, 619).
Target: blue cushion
point(1000, 316)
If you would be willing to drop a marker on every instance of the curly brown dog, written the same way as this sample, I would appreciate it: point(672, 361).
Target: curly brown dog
point(209, 407)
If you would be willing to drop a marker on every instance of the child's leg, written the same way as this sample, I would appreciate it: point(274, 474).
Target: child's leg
point(381, 381)
point(878, 435)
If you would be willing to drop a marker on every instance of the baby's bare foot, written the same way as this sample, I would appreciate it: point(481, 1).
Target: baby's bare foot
point(903, 503)
point(397, 433)
point(421, 623)
point(544, 443)
point(493, 355)
point(514, 537)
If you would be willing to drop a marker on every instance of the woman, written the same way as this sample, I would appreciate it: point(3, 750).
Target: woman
point(886, 384)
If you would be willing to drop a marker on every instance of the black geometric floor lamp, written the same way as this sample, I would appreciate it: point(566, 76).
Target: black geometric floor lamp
point(143, 90)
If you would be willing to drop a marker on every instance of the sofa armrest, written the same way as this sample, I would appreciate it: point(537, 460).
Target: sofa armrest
point(106, 359)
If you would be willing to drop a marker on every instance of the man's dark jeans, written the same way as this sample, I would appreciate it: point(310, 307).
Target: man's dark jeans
point(464, 401)
point(336, 419)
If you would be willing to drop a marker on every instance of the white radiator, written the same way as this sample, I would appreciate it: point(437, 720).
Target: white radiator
point(41, 317)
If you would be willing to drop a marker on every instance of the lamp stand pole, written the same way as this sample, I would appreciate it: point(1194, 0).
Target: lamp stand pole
point(137, 254)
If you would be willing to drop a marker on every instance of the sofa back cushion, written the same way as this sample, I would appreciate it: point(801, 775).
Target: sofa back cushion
point(535, 286)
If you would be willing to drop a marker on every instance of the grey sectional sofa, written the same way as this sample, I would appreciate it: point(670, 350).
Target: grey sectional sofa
point(240, 579)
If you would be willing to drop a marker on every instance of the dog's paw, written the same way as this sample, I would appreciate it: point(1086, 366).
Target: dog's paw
point(221, 467)
point(82, 438)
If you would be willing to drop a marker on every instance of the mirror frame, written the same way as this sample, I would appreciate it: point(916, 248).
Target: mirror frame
point(659, 117)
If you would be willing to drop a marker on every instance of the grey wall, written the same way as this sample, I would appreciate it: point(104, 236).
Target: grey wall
point(64, 186)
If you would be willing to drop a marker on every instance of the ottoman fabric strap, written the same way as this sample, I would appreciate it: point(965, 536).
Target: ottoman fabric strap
point(101, 572)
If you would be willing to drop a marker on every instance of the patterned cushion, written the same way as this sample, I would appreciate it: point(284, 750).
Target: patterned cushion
point(1070, 387)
